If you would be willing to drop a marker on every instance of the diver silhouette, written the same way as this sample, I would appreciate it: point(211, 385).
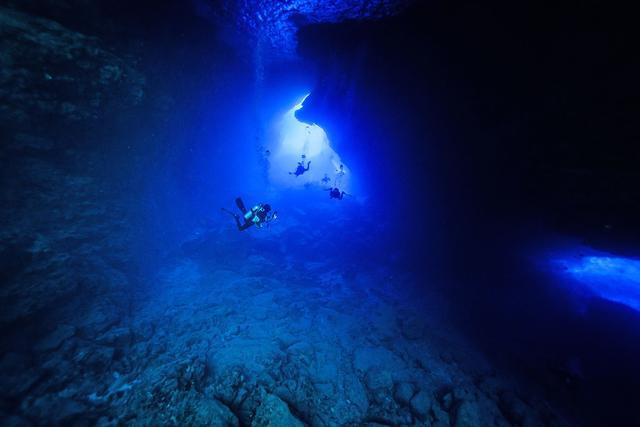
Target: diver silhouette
point(326, 179)
point(335, 193)
point(300, 169)
point(258, 215)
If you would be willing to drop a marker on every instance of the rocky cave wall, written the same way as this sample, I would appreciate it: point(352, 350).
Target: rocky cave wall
point(271, 26)
point(66, 233)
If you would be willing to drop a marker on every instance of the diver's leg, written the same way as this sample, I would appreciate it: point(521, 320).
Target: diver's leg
point(242, 227)
point(240, 205)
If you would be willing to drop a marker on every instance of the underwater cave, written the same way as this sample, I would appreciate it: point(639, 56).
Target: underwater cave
point(319, 213)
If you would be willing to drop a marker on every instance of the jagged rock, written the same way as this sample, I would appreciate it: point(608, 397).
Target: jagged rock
point(463, 393)
point(249, 405)
point(97, 357)
point(467, 415)
point(378, 378)
point(58, 372)
point(210, 412)
point(357, 395)
point(369, 357)
point(273, 412)
point(97, 320)
point(421, 403)
point(55, 339)
point(68, 75)
point(272, 25)
point(192, 374)
point(440, 417)
point(227, 386)
point(116, 337)
point(447, 401)
point(404, 393)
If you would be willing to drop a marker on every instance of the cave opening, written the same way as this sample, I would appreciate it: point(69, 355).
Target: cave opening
point(475, 265)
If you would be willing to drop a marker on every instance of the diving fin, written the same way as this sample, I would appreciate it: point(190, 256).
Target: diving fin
point(240, 205)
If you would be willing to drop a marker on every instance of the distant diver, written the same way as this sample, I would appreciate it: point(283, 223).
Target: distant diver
point(335, 193)
point(339, 174)
point(300, 169)
point(326, 178)
point(258, 215)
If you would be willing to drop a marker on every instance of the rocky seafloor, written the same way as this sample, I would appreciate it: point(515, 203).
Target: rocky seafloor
point(232, 343)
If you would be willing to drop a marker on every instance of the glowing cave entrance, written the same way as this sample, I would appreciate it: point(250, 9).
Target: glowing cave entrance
point(297, 144)
point(609, 277)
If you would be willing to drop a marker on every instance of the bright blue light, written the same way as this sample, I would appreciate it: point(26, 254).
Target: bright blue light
point(609, 277)
point(290, 140)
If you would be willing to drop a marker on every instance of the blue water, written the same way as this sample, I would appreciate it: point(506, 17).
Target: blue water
point(129, 296)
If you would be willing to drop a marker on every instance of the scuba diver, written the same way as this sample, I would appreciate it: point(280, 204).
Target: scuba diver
point(335, 193)
point(258, 215)
point(301, 169)
point(339, 175)
point(326, 178)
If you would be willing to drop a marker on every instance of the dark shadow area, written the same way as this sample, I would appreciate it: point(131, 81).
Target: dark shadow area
point(494, 126)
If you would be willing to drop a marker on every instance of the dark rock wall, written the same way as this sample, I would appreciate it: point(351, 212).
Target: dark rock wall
point(66, 229)
point(51, 73)
point(271, 26)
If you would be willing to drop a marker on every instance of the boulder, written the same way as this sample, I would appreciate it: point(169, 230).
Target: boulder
point(210, 412)
point(467, 415)
point(273, 412)
point(440, 417)
point(378, 378)
point(356, 394)
point(421, 403)
point(404, 393)
point(366, 358)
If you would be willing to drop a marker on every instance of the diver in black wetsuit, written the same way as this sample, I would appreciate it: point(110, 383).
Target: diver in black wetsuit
point(335, 193)
point(300, 169)
point(258, 215)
